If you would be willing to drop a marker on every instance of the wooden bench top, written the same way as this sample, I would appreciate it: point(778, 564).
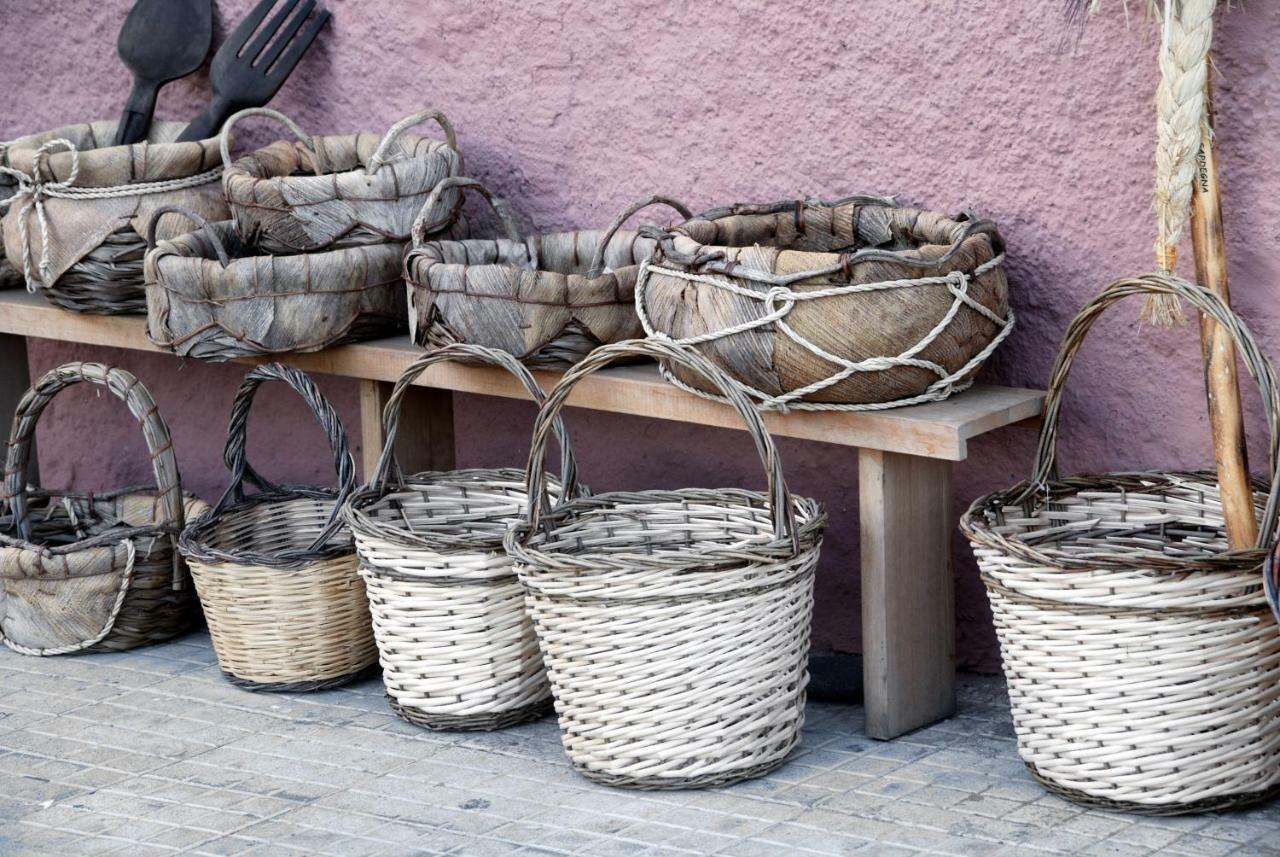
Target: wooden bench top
point(935, 430)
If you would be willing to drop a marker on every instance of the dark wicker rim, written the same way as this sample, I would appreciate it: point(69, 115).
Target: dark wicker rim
point(472, 722)
point(309, 686)
point(1239, 800)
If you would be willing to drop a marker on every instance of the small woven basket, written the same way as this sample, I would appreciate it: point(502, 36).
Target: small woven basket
point(674, 624)
point(1141, 654)
point(74, 226)
point(549, 299)
point(213, 296)
point(89, 572)
point(857, 304)
point(458, 650)
point(276, 571)
point(322, 192)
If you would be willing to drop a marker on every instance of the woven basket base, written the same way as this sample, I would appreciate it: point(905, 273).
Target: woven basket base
point(471, 722)
point(726, 778)
point(1240, 800)
point(300, 686)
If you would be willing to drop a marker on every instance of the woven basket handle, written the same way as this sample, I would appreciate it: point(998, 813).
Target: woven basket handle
point(224, 139)
point(379, 158)
point(234, 453)
point(388, 468)
point(422, 227)
point(1208, 304)
point(597, 260)
point(124, 386)
point(781, 508)
point(203, 225)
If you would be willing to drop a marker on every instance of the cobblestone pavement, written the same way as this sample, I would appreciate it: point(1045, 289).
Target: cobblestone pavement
point(152, 752)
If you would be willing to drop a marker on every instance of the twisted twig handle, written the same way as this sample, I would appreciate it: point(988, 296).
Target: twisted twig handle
point(224, 139)
point(597, 258)
point(203, 225)
point(422, 227)
point(380, 154)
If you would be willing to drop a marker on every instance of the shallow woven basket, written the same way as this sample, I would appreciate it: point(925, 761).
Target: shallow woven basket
point(674, 624)
point(89, 572)
point(322, 192)
point(1142, 657)
point(213, 296)
point(548, 299)
point(857, 304)
point(276, 571)
point(74, 228)
point(457, 647)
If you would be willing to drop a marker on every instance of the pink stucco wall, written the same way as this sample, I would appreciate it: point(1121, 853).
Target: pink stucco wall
point(572, 108)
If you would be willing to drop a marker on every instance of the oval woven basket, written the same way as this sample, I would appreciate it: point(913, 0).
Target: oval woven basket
point(857, 304)
point(457, 647)
point(92, 572)
point(74, 226)
point(213, 296)
point(548, 299)
point(276, 571)
point(1141, 654)
point(674, 624)
point(322, 192)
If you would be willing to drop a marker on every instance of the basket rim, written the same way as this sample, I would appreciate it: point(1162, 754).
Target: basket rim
point(193, 542)
point(182, 249)
point(112, 537)
point(248, 171)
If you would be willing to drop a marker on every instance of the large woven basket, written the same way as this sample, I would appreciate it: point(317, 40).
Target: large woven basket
point(857, 304)
point(457, 647)
point(321, 192)
point(1142, 657)
point(74, 226)
point(548, 299)
point(276, 571)
point(674, 624)
point(213, 296)
point(92, 572)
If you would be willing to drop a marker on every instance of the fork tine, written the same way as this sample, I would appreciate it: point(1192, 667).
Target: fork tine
point(282, 38)
point(299, 46)
point(260, 41)
point(240, 35)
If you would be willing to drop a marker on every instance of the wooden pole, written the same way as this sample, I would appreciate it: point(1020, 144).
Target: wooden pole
point(1221, 384)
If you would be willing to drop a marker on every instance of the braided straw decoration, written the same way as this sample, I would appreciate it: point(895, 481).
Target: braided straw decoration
point(88, 572)
point(276, 571)
point(674, 624)
point(1142, 657)
point(457, 648)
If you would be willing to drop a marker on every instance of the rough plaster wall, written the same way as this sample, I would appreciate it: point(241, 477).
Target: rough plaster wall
point(572, 108)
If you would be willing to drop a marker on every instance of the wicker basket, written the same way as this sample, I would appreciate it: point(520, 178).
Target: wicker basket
point(856, 304)
point(549, 300)
point(276, 571)
point(458, 650)
point(323, 192)
point(1141, 654)
point(212, 296)
point(74, 228)
point(91, 572)
point(674, 624)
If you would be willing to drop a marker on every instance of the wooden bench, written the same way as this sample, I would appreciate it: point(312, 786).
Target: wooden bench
point(905, 457)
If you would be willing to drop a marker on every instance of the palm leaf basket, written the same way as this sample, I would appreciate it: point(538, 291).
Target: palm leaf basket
point(1142, 658)
point(857, 304)
point(276, 571)
point(674, 624)
point(457, 647)
point(74, 226)
point(213, 296)
point(92, 572)
point(323, 192)
point(548, 299)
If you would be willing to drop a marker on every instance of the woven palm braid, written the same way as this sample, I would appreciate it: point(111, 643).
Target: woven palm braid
point(674, 624)
point(1142, 657)
point(856, 304)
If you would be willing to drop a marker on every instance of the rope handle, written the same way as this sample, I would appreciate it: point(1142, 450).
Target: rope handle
point(781, 508)
point(308, 141)
point(597, 260)
point(234, 453)
point(204, 226)
point(422, 228)
point(124, 386)
point(388, 468)
point(1207, 303)
point(380, 154)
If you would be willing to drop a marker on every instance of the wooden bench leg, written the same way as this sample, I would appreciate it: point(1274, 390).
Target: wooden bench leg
point(908, 610)
point(424, 440)
point(15, 378)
